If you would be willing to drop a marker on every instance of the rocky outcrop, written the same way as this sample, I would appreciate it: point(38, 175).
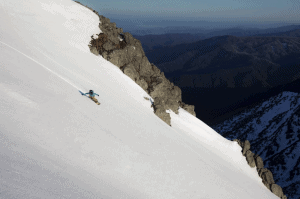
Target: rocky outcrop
point(126, 52)
point(264, 173)
point(259, 162)
point(188, 108)
point(275, 138)
point(250, 159)
point(246, 147)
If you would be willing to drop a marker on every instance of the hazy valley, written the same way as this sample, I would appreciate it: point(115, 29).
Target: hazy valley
point(231, 72)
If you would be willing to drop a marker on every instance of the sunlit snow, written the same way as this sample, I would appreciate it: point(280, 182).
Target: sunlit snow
point(56, 143)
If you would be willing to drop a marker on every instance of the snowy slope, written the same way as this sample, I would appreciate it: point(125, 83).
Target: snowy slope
point(55, 143)
point(273, 129)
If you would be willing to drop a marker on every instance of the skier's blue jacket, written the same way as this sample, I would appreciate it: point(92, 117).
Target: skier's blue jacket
point(92, 95)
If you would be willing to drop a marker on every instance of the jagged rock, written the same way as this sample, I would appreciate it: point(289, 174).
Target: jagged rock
point(155, 70)
point(260, 171)
point(130, 40)
point(164, 117)
point(161, 86)
point(266, 176)
point(136, 58)
point(98, 43)
point(267, 185)
point(160, 110)
point(142, 83)
point(119, 58)
point(126, 52)
point(130, 71)
point(259, 162)
point(110, 29)
point(264, 173)
point(113, 39)
point(250, 159)
point(188, 108)
point(246, 147)
point(104, 23)
point(94, 50)
point(109, 46)
point(169, 95)
point(146, 68)
point(105, 55)
point(277, 190)
point(139, 48)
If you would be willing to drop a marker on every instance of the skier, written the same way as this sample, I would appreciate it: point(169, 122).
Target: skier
point(153, 106)
point(92, 96)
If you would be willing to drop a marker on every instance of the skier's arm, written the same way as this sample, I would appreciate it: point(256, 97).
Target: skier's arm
point(96, 94)
point(86, 93)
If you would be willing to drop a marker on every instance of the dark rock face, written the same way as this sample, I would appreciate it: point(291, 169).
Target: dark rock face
point(126, 52)
point(264, 173)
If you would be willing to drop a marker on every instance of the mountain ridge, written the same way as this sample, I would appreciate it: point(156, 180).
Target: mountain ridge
point(228, 64)
point(153, 41)
point(273, 128)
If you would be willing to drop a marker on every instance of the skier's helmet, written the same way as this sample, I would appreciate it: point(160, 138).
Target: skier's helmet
point(91, 91)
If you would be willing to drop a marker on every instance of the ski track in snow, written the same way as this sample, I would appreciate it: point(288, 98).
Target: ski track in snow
point(68, 81)
point(83, 88)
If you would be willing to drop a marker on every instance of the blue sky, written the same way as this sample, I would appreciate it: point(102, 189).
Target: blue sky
point(229, 11)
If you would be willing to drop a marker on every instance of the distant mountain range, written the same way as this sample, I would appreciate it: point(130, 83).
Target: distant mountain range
point(222, 74)
point(291, 33)
point(159, 26)
point(273, 129)
point(155, 41)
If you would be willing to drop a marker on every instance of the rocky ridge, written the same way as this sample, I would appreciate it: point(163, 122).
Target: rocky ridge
point(273, 128)
point(264, 173)
point(126, 52)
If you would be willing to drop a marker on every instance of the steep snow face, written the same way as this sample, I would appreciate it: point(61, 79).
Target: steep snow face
point(273, 129)
point(56, 143)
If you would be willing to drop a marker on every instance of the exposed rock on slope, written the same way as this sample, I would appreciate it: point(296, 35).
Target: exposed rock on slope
point(126, 52)
point(273, 128)
point(264, 173)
